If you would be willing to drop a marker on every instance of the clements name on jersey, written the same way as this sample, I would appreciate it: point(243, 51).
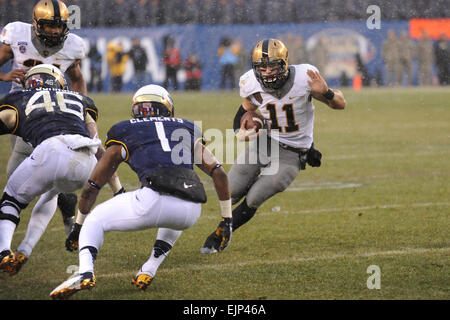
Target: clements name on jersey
point(151, 119)
point(48, 89)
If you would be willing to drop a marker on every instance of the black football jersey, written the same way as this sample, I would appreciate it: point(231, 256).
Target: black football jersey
point(44, 113)
point(155, 143)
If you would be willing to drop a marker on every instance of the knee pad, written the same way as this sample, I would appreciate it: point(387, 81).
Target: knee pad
point(8, 201)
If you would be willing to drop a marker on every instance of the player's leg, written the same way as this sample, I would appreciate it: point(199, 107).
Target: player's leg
point(26, 182)
point(41, 215)
point(165, 240)
point(67, 203)
point(267, 186)
point(242, 175)
point(131, 211)
point(19, 152)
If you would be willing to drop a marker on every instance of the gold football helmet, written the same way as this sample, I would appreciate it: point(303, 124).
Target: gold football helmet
point(53, 13)
point(45, 76)
point(273, 53)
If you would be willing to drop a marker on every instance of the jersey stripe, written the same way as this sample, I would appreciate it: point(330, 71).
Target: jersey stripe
point(107, 143)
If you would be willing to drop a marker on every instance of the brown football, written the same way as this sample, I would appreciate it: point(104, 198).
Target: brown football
point(252, 119)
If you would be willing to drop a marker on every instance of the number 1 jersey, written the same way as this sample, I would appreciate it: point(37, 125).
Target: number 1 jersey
point(155, 143)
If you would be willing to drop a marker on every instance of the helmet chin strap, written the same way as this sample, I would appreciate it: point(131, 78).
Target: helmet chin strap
point(43, 49)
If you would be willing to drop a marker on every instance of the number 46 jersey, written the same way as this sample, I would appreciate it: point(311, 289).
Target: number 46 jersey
point(44, 113)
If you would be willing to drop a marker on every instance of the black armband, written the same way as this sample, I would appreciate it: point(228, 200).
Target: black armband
point(92, 183)
point(218, 165)
point(237, 118)
point(329, 94)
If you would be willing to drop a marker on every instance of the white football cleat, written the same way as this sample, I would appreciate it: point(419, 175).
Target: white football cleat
point(74, 284)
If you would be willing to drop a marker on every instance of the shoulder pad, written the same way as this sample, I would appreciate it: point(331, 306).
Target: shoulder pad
point(12, 31)
point(75, 47)
point(248, 84)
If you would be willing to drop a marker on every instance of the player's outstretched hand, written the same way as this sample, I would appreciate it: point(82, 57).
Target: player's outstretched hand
point(317, 83)
point(72, 238)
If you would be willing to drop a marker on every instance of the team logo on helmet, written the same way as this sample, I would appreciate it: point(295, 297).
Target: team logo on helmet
point(45, 76)
point(152, 101)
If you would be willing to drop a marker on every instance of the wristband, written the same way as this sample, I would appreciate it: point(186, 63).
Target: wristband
point(80, 218)
point(329, 94)
point(225, 208)
point(92, 183)
point(218, 165)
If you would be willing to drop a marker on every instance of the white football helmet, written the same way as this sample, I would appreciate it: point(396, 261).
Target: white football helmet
point(152, 101)
point(45, 76)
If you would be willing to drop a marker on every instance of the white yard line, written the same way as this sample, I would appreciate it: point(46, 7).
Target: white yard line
point(200, 267)
point(363, 208)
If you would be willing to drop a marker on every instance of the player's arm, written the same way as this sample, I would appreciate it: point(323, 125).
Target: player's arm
point(211, 167)
point(8, 118)
point(16, 75)
point(91, 126)
point(334, 98)
point(101, 174)
point(242, 134)
point(77, 82)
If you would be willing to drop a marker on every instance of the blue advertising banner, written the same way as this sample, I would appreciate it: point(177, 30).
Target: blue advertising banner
point(340, 42)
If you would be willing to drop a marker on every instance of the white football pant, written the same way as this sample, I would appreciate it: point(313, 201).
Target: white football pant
point(136, 210)
point(53, 167)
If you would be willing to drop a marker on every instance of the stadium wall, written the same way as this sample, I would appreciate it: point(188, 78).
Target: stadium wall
point(344, 40)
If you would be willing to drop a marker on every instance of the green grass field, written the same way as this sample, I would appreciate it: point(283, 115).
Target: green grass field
point(381, 198)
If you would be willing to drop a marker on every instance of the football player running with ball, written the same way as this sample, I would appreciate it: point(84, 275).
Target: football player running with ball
point(46, 41)
point(283, 95)
point(60, 126)
point(171, 194)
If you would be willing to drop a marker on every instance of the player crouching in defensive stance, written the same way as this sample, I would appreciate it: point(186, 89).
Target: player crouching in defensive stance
point(171, 194)
point(59, 124)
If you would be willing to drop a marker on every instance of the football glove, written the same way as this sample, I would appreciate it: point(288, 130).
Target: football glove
point(314, 157)
point(223, 232)
point(72, 238)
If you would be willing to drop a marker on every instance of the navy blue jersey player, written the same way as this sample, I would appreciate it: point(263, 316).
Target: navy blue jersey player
point(162, 150)
point(60, 126)
point(148, 143)
point(42, 113)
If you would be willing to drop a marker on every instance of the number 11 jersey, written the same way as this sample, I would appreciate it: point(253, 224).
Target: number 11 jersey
point(291, 113)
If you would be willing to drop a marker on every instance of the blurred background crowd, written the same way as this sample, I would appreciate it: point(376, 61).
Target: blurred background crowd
point(422, 60)
point(104, 13)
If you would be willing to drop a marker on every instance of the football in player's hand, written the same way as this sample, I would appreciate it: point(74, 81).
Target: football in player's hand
point(252, 119)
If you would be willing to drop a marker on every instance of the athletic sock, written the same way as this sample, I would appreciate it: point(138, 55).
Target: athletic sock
point(242, 214)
